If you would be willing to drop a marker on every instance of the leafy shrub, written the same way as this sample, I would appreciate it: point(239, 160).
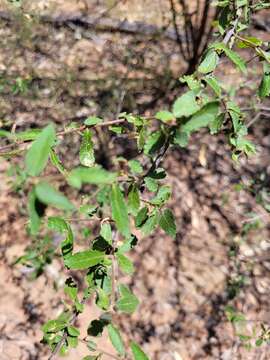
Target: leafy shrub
point(133, 195)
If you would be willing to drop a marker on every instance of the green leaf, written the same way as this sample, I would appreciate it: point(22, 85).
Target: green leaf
point(141, 217)
point(137, 352)
point(53, 326)
point(116, 129)
point(135, 166)
point(34, 218)
point(164, 116)
point(125, 264)
point(71, 289)
point(128, 244)
point(259, 342)
point(58, 224)
point(213, 83)
point(151, 184)
point(164, 193)
point(119, 211)
point(97, 326)
point(50, 196)
point(38, 154)
point(233, 56)
point(133, 200)
point(236, 116)
point(116, 339)
point(202, 118)
point(95, 175)
point(57, 163)
point(209, 62)
point(93, 120)
point(264, 88)
point(73, 331)
point(72, 341)
point(87, 156)
point(92, 346)
point(128, 301)
point(28, 134)
point(150, 223)
point(193, 83)
point(88, 210)
point(103, 300)
point(185, 105)
point(84, 259)
point(167, 222)
point(249, 41)
point(6, 134)
point(181, 138)
point(154, 142)
point(141, 138)
point(216, 125)
point(106, 232)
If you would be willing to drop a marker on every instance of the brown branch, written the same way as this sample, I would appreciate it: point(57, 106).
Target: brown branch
point(100, 24)
point(177, 33)
point(202, 27)
point(188, 27)
point(65, 132)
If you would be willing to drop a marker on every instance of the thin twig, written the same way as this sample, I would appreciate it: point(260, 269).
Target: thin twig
point(177, 33)
point(252, 121)
point(68, 131)
point(113, 294)
point(112, 356)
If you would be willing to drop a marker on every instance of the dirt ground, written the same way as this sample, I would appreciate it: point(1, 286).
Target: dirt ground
point(183, 285)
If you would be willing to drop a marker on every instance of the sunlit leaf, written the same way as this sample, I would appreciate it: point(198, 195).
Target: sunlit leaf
point(264, 88)
point(233, 56)
point(133, 200)
point(87, 156)
point(58, 224)
point(137, 352)
point(128, 302)
point(164, 116)
point(95, 175)
point(209, 62)
point(116, 339)
point(38, 154)
point(125, 264)
point(202, 118)
point(48, 195)
point(92, 120)
point(84, 259)
point(167, 222)
point(119, 211)
point(185, 105)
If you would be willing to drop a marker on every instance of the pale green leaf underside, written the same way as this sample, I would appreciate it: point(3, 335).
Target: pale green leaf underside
point(137, 352)
point(185, 105)
point(48, 195)
point(84, 259)
point(38, 154)
point(119, 211)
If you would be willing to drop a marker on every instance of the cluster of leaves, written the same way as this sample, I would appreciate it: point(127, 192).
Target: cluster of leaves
point(133, 195)
point(17, 86)
point(247, 337)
